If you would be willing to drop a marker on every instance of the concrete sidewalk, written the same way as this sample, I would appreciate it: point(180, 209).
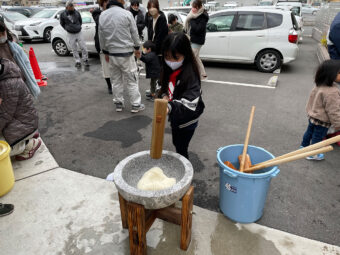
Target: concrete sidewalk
point(58, 211)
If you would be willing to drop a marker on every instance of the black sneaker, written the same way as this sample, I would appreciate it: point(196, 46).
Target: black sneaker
point(6, 209)
point(119, 107)
point(78, 65)
point(137, 108)
point(86, 63)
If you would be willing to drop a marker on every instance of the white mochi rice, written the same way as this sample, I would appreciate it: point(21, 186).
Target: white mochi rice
point(155, 179)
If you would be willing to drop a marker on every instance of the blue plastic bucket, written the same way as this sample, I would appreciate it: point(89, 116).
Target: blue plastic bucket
point(242, 195)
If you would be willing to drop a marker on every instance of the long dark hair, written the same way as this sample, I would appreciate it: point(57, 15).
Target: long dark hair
point(3, 28)
point(178, 43)
point(327, 73)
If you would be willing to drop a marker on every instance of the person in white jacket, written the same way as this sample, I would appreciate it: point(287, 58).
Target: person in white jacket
point(119, 40)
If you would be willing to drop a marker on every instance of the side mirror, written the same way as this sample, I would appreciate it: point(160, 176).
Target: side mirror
point(58, 16)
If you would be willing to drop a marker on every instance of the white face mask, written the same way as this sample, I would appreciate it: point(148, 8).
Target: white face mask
point(174, 65)
point(153, 12)
point(3, 39)
point(135, 9)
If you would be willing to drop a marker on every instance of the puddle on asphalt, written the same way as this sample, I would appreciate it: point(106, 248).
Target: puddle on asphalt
point(125, 131)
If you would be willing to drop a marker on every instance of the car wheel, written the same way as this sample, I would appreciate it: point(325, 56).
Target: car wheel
point(314, 13)
point(60, 48)
point(47, 34)
point(268, 61)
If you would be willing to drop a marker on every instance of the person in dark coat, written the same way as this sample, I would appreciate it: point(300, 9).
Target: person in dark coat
point(105, 65)
point(152, 67)
point(18, 117)
point(195, 26)
point(334, 38)
point(156, 24)
point(71, 21)
point(139, 17)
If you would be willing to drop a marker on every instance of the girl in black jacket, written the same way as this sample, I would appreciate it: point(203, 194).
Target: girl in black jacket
point(181, 86)
point(156, 24)
point(195, 26)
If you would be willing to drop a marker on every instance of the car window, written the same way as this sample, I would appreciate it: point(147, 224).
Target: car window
point(274, 20)
point(86, 17)
point(250, 22)
point(44, 14)
point(220, 23)
point(15, 16)
point(295, 24)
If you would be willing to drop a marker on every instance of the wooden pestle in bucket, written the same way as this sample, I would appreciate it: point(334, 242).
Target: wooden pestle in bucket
point(158, 126)
point(309, 148)
point(287, 159)
point(245, 157)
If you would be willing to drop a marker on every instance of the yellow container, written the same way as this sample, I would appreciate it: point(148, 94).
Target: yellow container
point(6, 169)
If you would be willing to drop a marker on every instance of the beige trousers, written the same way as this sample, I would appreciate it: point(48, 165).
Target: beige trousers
point(196, 52)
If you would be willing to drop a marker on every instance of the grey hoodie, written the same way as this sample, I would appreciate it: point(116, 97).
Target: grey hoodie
point(118, 34)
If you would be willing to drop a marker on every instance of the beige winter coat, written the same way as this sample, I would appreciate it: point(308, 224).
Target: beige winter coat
point(324, 104)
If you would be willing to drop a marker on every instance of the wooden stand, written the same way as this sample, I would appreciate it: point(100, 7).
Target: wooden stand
point(139, 220)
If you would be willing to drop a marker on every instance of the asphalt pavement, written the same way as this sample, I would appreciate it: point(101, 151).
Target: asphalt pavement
point(84, 133)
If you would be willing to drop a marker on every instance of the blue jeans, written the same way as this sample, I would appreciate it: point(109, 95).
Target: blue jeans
point(314, 133)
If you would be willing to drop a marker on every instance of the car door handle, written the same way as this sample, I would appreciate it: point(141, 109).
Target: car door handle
point(259, 35)
point(222, 36)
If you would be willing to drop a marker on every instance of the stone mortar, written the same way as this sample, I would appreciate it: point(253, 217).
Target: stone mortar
point(131, 169)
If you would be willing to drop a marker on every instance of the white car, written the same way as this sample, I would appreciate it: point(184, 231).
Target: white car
point(39, 26)
point(308, 9)
point(10, 18)
point(60, 43)
point(266, 37)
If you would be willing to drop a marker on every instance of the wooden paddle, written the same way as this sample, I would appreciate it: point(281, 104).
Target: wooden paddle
point(158, 126)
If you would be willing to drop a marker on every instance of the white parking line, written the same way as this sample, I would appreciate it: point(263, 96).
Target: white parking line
point(234, 83)
point(240, 84)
